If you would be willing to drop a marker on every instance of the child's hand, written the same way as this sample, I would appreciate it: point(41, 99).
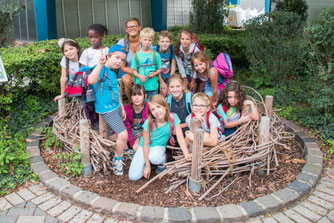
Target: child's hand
point(200, 118)
point(213, 104)
point(244, 119)
point(151, 74)
point(163, 88)
point(142, 78)
point(193, 85)
point(189, 135)
point(188, 156)
point(103, 58)
point(59, 97)
point(186, 83)
point(147, 172)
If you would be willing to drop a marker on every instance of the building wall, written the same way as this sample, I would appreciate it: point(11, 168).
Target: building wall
point(178, 12)
point(75, 16)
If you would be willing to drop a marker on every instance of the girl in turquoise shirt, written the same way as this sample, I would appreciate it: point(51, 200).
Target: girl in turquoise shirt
point(156, 133)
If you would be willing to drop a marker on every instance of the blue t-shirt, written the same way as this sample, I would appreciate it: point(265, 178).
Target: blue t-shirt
point(107, 95)
point(129, 56)
point(147, 66)
point(160, 136)
point(166, 61)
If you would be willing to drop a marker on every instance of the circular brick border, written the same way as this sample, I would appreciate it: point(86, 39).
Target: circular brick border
point(299, 188)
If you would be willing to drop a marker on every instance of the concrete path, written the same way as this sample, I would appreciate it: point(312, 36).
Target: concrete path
point(36, 204)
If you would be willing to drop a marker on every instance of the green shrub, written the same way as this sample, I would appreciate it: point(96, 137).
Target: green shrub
point(297, 6)
point(208, 16)
point(320, 70)
point(274, 47)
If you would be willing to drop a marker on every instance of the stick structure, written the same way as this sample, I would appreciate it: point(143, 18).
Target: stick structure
point(84, 142)
point(62, 107)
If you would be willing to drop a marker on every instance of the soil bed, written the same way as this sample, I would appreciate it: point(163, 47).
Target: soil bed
point(120, 188)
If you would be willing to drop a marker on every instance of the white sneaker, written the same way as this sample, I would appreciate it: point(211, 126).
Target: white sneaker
point(118, 166)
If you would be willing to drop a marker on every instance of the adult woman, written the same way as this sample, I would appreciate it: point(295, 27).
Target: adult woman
point(132, 44)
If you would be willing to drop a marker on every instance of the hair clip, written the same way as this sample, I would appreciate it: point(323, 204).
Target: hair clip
point(62, 40)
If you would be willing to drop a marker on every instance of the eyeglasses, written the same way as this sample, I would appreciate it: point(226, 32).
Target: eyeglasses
point(132, 27)
point(199, 106)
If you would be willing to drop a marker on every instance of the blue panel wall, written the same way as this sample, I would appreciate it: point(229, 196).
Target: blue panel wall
point(45, 12)
point(159, 14)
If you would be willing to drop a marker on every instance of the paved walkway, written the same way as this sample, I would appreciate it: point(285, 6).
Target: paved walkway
point(36, 204)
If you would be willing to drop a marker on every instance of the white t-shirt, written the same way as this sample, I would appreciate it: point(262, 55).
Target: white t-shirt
point(90, 57)
point(72, 68)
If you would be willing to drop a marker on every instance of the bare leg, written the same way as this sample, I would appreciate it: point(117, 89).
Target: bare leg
point(121, 141)
point(127, 81)
point(135, 145)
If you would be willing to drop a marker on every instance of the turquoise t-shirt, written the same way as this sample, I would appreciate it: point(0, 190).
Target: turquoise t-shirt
point(146, 61)
point(161, 136)
point(107, 99)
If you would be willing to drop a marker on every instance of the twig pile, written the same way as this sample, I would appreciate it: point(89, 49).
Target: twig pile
point(68, 132)
point(240, 153)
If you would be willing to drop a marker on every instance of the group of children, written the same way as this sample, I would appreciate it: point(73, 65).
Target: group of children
point(161, 104)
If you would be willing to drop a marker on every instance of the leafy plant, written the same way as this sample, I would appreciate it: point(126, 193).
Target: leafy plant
point(71, 162)
point(50, 138)
point(297, 6)
point(208, 16)
point(331, 148)
point(274, 46)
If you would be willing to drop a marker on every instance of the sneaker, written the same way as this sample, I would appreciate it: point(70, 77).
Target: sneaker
point(130, 153)
point(118, 166)
point(160, 169)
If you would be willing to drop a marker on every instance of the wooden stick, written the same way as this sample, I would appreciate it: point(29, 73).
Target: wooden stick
point(84, 142)
point(103, 128)
point(194, 124)
point(196, 160)
point(62, 107)
point(269, 104)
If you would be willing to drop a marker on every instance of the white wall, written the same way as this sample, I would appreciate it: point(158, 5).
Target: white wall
point(178, 12)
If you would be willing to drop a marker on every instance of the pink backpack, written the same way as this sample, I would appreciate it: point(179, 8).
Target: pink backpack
point(223, 64)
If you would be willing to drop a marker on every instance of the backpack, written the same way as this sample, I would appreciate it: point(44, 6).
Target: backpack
point(223, 64)
point(188, 101)
point(171, 139)
point(220, 119)
point(197, 44)
point(77, 85)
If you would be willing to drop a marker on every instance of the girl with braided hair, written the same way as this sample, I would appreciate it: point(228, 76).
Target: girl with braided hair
point(69, 63)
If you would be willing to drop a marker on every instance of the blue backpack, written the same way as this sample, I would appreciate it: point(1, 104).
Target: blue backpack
point(188, 101)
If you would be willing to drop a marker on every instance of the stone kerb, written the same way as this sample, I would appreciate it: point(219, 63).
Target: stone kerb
point(278, 200)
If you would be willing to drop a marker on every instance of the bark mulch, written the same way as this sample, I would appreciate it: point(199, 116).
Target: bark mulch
point(243, 189)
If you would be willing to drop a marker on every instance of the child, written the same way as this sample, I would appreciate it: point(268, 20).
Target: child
point(231, 102)
point(90, 57)
point(184, 50)
point(168, 62)
point(213, 81)
point(209, 122)
point(146, 64)
point(69, 63)
point(108, 103)
point(136, 114)
point(152, 145)
point(179, 101)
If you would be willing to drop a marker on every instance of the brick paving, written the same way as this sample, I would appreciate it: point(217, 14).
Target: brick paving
point(36, 204)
